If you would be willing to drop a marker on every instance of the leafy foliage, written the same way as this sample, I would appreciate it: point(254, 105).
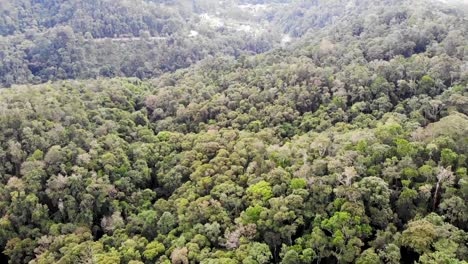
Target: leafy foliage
point(349, 146)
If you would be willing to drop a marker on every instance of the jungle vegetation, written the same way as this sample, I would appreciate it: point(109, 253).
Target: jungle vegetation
point(347, 145)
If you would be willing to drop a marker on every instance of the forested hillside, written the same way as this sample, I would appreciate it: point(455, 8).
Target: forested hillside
point(347, 145)
point(79, 39)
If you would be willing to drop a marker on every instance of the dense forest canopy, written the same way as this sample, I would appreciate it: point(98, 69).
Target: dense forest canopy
point(230, 132)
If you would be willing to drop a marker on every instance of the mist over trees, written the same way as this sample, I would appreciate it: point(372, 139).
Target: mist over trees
point(334, 132)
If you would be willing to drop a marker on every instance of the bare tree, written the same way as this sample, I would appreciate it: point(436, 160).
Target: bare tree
point(444, 175)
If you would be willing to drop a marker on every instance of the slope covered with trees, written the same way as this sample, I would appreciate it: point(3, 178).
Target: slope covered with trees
point(348, 146)
point(75, 39)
